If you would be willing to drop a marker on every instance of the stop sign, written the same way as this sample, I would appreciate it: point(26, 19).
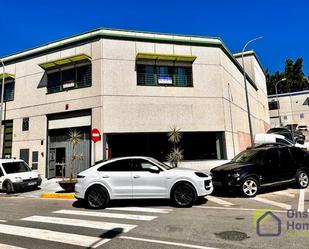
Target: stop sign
point(95, 135)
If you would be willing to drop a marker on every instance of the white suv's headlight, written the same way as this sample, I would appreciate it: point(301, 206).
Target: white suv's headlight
point(18, 179)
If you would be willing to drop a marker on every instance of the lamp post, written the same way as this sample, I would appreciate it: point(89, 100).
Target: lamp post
point(280, 121)
point(246, 88)
point(1, 107)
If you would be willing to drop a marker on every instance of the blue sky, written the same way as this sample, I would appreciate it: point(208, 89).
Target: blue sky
point(283, 24)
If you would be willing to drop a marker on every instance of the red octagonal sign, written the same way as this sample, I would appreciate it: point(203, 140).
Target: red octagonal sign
point(95, 135)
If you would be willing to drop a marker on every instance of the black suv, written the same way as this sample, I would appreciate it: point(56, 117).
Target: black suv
point(263, 166)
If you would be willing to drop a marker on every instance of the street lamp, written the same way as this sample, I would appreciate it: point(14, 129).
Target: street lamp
point(1, 107)
point(246, 88)
point(283, 79)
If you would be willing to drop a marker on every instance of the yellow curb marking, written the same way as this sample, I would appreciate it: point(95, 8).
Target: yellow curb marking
point(55, 195)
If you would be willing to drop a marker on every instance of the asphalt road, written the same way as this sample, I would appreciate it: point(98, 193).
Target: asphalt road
point(215, 222)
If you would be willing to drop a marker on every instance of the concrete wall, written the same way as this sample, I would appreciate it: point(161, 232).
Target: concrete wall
point(291, 109)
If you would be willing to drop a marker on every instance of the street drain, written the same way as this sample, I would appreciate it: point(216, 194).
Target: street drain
point(232, 235)
point(239, 218)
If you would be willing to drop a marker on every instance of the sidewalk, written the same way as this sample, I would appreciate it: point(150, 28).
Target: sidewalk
point(48, 189)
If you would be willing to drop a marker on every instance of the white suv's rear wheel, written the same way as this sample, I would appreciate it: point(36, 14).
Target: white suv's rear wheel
point(97, 197)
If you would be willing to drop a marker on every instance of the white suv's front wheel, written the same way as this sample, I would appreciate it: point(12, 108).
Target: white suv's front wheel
point(183, 194)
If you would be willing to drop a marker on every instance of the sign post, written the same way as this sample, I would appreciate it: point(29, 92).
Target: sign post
point(95, 137)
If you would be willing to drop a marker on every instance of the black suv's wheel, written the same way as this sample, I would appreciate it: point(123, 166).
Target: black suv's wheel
point(250, 187)
point(302, 179)
point(97, 197)
point(183, 195)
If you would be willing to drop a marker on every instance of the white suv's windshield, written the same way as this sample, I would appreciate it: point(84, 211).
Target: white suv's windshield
point(15, 167)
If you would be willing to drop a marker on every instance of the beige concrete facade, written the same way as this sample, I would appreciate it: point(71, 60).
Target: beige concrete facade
point(216, 102)
point(294, 109)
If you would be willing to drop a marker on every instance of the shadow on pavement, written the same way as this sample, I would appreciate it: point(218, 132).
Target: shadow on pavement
point(265, 190)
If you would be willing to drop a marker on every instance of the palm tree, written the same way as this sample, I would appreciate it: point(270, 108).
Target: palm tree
point(176, 153)
point(74, 139)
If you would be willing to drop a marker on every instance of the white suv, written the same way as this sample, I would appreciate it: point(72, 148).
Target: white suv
point(16, 175)
point(140, 178)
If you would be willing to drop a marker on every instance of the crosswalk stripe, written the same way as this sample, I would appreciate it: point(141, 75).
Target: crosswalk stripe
point(107, 215)
point(5, 246)
point(284, 193)
point(81, 223)
point(274, 203)
point(167, 243)
point(219, 201)
point(301, 201)
point(140, 209)
point(43, 234)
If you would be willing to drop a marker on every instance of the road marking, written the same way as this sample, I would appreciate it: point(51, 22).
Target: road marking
point(236, 209)
point(166, 242)
point(284, 193)
point(81, 223)
point(4, 246)
point(107, 215)
point(273, 203)
point(2, 221)
point(301, 200)
point(141, 209)
point(43, 234)
point(219, 201)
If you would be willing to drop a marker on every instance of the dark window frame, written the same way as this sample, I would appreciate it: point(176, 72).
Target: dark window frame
point(109, 167)
point(145, 78)
point(25, 124)
point(9, 94)
point(35, 160)
point(273, 105)
point(79, 81)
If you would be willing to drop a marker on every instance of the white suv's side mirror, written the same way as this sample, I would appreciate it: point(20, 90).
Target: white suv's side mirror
point(154, 169)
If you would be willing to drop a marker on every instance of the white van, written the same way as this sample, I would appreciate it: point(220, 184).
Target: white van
point(274, 138)
point(16, 175)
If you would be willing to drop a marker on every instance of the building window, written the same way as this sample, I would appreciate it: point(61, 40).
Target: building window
point(25, 124)
point(195, 145)
point(7, 140)
point(155, 75)
point(78, 76)
point(273, 105)
point(9, 88)
point(24, 155)
point(285, 117)
point(35, 159)
point(301, 115)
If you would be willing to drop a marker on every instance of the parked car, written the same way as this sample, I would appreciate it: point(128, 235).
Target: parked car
point(262, 138)
point(16, 175)
point(140, 178)
point(263, 166)
point(294, 136)
point(302, 128)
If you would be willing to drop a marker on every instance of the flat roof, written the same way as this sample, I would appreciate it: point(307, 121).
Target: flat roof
point(289, 94)
point(130, 35)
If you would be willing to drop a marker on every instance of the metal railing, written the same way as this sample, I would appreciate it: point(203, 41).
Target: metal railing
point(154, 79)
point(69, 86)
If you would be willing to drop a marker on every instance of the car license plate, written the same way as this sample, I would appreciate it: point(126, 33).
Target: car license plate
point(215, 183)
point(31, 183)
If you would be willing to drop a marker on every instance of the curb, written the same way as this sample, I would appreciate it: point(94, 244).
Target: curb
point(58, 196)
